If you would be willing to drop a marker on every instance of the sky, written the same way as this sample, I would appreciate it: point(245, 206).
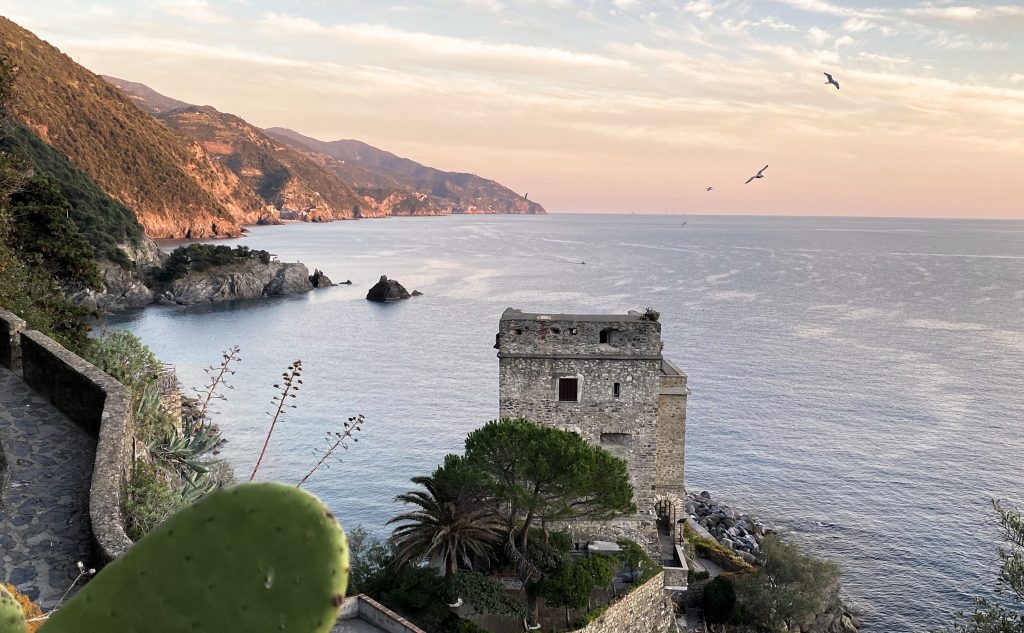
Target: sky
point(611, 105)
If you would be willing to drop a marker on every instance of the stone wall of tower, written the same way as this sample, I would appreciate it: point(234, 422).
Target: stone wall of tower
point(534, 354)
point(671, 443)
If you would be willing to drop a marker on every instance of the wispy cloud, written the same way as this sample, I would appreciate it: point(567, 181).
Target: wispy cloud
point(436, 45)
point(965, 13)
point(194, 10)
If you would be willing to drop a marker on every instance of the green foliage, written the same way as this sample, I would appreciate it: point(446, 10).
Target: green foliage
point(719, 600)
point(149, 500)
point(442, 527)
point(101, 220)
point(535, 473)
point(788, 586)
point(12, 617)
point(636, 559)
point(251, 558)
point(650, 314)
point(590, 616)
point(368, 558)
point(125, 357)
point(46, 236)
point(200, 257)
point(1007, 616)
point(485, 594)
point(26, 288)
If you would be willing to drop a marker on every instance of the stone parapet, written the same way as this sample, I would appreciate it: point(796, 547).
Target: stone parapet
point(102, 407)
point(11, 325)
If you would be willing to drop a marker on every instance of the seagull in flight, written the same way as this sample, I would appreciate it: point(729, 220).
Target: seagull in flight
point(759, 174)
point(832, 81)
point(708, 188)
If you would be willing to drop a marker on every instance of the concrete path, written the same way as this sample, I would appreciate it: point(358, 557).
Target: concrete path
point(44, 516)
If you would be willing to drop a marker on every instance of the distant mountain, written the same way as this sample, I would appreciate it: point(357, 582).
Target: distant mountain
point(145, 97)
point(463, 193)
point(173, 186)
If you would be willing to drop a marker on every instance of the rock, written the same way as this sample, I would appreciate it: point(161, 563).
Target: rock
point(727, 543)
point(290, 279)
point(319, 279)
point(750, 558)
point(122, 290)
point(387, 290)
point(705, 494)
point(347, 282)
point(250, 280)
point(417, 293)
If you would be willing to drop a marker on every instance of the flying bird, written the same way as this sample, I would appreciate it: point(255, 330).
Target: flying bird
point(759, 174)
point(832, 81)
point(708, 188)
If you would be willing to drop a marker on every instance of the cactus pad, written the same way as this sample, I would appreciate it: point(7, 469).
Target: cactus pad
point(12, 618)
point(256, 558)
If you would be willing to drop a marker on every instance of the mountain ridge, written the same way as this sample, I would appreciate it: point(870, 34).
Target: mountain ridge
point(181, 192)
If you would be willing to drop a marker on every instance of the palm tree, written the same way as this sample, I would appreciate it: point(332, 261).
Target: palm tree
point(444, 527)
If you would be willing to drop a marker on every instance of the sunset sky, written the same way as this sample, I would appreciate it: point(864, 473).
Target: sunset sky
point(611, 105)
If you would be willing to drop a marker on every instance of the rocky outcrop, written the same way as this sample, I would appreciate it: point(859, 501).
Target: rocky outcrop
point(387, 290)
point(319, 279)
point(250, 280)
point(122, 289)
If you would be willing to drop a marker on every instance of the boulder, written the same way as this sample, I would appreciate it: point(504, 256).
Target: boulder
point(319, 279)
point(387, 290)
point(417, 293)
point(347, 282)
point(290, 279)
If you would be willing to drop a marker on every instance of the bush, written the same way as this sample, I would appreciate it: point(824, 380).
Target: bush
point(719, 600)
point(151, 498)
point(200, 257)
point(787, 588)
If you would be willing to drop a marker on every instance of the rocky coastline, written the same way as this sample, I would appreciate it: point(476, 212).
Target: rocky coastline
point(136, 287)
point(742, 534)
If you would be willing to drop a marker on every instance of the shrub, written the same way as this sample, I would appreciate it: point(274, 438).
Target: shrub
point(719, 600)
point(151, 498)
point(200, 257)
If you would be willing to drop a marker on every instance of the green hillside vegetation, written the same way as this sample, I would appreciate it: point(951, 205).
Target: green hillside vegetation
point(103, 221)
point(171, 184)
point(38, 246)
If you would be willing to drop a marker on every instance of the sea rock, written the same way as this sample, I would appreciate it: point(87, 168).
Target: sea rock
point(347, 282)
point(319, 279)
point(417, 293)
point(387, 290)
point(249, 280)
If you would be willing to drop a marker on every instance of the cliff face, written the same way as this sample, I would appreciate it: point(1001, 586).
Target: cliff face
point(455, 192)
point(286, 179)
point(246, 281)
point(171, 183)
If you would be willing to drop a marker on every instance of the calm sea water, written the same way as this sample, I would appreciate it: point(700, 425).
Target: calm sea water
point(855, 381)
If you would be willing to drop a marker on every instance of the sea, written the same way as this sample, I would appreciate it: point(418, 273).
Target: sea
point(856, 382)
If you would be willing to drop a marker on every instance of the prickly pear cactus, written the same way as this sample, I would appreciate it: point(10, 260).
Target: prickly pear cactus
point(256, 558)
point(12, 618)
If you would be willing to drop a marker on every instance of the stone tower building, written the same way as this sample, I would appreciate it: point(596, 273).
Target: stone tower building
point(604, 377)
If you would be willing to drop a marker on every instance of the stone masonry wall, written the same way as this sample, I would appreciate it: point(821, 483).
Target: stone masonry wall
point(671, 446)
point(644, 610)
point(11, 326)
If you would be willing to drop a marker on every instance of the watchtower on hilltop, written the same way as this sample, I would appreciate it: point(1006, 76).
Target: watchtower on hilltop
point(604, 377)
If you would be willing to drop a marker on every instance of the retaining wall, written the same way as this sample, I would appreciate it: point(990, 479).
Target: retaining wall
point(646, 609)
point(94, 401)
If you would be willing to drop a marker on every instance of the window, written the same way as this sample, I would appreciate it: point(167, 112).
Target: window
point(616, 390)
point(617, 439)
point(568, 389)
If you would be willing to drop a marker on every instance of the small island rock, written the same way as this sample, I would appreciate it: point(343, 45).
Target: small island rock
point(319, 279)
point(417, 293)
point(387, 290)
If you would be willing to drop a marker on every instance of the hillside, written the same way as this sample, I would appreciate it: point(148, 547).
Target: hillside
point(293, 182)
point(145, 97)
point(464, 193)
point(285, 167)
point(171, 183)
